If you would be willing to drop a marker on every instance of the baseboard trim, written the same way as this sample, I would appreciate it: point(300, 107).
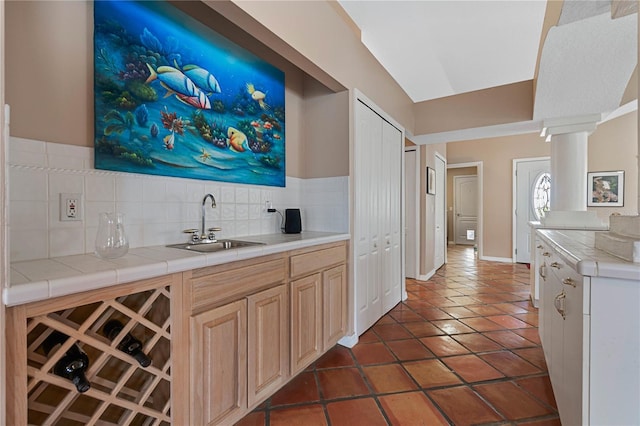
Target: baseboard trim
point(349, 341)
point(427, 276)
point(497, 259)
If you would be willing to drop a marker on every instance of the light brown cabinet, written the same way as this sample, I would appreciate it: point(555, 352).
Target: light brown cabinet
point(222, 339)
point(219, 364)
point(306, 321)
point(334, 306)
point(318, 303)
point(268, 342)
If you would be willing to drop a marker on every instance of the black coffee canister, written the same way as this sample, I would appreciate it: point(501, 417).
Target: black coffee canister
point(292, 221)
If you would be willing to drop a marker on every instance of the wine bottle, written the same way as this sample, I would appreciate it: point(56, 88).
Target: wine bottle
point(72, 365)
point(129, 344)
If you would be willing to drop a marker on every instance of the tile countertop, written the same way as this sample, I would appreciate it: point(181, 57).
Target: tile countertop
point(577, 248)
point(41, 279)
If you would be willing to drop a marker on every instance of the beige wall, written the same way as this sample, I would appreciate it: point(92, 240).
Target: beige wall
point(613, 146)
point(497, 105)
point(49, 68)
point(458, 171)
point(325, 119)
point(497, 156)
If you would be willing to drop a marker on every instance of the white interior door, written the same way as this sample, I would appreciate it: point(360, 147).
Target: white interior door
point(410, 228)
point(527, 175)
point(367, 255)
point(465, 209)
point(377, 217)
point(391, 155)
point(440, 214)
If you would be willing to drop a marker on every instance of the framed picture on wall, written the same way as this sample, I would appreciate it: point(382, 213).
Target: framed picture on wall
point(605, 189)
point(431, 181)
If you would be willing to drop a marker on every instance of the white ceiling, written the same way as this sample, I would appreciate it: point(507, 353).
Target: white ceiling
point(438, 48)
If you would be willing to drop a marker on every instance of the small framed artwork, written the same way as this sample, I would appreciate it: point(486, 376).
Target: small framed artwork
point(431, 181)
point(605, 189)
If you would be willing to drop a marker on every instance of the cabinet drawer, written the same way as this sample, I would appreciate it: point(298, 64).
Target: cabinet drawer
point(212, 290)
point(307, 263)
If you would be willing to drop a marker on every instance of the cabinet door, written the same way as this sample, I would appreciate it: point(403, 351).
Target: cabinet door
point(219, 364)
point(547, 310)
point(268, 342)
point(573, 369)
point(306, 321)
point(334, 309)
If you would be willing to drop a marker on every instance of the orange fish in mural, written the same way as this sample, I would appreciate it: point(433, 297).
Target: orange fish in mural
point(237, 140)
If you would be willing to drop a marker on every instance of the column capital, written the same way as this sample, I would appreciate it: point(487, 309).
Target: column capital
point(576, 124)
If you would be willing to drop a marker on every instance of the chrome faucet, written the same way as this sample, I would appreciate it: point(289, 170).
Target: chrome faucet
point(201, 237)
point(211, 236)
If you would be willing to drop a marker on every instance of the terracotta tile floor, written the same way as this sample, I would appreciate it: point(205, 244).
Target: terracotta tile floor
point(463, 349)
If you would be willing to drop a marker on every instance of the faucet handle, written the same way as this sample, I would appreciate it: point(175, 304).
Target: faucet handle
point(211, 235)
point(195, 237)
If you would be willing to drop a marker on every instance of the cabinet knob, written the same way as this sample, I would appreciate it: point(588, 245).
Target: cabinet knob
point(559, 304)
point(539, 246)
point(555, 265)
point(546, 254)
point(569, 281)
point(541, 272)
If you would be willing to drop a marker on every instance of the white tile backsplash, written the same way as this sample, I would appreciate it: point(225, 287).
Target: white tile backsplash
point(157, 209)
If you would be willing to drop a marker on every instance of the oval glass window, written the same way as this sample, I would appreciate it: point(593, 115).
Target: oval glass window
point(541, 195)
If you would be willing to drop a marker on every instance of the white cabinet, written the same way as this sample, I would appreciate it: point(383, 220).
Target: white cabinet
point(589, 331)
point(377, 216)
point(562, 319)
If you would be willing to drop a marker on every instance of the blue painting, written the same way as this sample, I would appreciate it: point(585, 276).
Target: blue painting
point(175, 98)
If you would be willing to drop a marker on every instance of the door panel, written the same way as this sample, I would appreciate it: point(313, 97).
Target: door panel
point(466, 209)
point(410, 229)
point(527, 173)
point(367, 167)
point(390, 222)
point(440, 238)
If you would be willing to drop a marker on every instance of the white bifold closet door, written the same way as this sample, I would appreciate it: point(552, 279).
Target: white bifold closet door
point(377, 220)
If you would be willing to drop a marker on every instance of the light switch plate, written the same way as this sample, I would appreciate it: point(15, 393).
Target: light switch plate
point(70, 207)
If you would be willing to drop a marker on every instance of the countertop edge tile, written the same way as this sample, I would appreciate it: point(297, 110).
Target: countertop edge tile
point(65, 286)
point(186, 263)
point(577, 247)
point(25, 293)
point(146, 262)
point(141, 272)
point(221, 257)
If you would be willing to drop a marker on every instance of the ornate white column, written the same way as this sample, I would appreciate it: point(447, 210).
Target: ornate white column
point(569, 154)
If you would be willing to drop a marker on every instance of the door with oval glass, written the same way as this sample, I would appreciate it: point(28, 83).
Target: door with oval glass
point(532, 186)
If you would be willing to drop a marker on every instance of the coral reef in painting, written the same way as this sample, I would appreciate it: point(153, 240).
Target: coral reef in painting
point(174, 98)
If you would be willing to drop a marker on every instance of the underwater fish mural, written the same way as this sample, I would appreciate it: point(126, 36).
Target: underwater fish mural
point(200, 102)
point(169, 141)
point(202, 78)
point(237, 140)
point(176, 83)
point(257, 95)
point(175, 98)
point(205, 155)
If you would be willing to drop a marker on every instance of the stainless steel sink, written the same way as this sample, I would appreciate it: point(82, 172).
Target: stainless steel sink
point(213, 247)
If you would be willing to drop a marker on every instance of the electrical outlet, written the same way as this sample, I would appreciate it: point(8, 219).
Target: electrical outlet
point(70, 207)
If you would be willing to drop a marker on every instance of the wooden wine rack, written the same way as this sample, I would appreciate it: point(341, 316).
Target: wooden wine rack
point(122, 392)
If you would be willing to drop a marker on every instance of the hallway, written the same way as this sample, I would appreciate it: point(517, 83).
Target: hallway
point(462, 349)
